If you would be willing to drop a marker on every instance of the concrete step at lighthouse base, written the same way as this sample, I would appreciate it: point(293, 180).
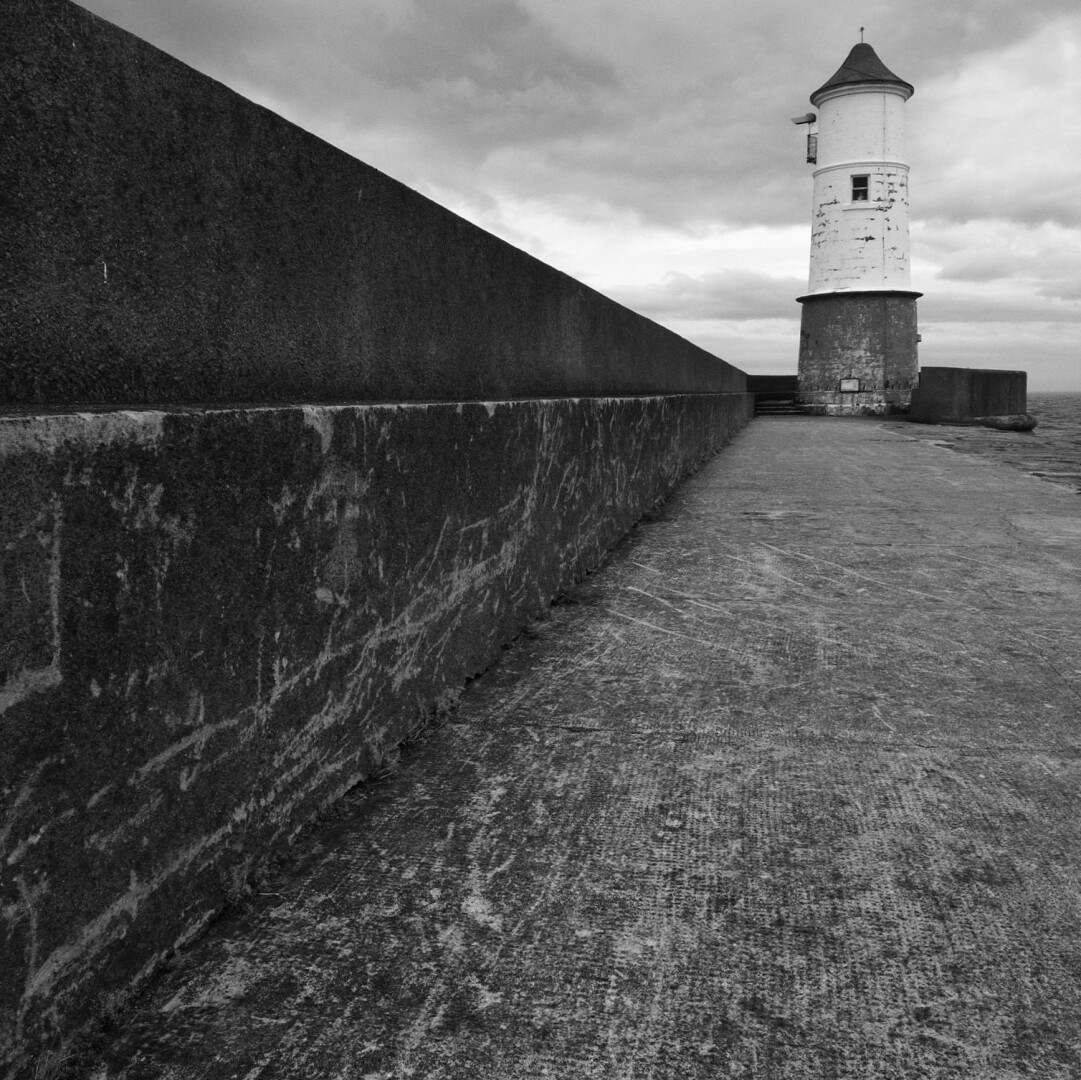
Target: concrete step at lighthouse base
point(778, 408)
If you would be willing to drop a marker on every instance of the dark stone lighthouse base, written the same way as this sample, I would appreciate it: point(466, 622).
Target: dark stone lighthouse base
point(858, 353)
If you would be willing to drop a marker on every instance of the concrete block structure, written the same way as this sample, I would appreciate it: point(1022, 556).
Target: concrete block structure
point(948, 395)
point(858, 334)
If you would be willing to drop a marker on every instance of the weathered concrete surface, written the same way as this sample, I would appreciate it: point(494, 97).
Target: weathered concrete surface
point(214, 623)
point(1051, 451)
point(788, 790)
point(868, 336)
point(167, 241)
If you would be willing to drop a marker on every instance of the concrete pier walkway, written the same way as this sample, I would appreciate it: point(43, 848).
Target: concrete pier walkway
point(790, 788)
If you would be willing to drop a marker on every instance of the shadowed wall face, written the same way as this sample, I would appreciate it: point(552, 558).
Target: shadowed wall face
point(964, 395)
point(167, 241)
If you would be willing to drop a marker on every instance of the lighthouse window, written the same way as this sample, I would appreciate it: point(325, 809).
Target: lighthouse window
point(859, 188)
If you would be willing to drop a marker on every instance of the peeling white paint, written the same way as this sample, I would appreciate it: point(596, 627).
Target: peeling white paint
point(860, 244)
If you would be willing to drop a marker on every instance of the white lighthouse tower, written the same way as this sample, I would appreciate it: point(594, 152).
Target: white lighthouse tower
point(858, 327)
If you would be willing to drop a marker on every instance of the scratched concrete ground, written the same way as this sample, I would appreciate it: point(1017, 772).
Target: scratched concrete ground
point(789, 789)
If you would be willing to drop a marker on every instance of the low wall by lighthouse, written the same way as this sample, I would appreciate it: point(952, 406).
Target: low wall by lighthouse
point(288, 453)
point(948, 395)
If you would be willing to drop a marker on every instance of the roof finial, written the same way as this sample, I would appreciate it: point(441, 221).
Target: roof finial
point(861, 35)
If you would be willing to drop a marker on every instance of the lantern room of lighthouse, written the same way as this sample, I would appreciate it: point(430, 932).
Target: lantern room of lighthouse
point(858, 339)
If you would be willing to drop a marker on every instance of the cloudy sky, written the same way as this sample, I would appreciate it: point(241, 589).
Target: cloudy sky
point(646, 147)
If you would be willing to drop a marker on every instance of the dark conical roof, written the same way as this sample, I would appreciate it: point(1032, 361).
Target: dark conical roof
point(862, 66)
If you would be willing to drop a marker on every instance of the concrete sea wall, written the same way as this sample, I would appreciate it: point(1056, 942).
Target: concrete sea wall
point(217, 622)
point(167, 241)
point(968, 395)
point(288, 453)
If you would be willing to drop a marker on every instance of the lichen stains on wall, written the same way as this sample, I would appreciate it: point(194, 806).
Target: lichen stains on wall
point(870, 337)
point(214, 623)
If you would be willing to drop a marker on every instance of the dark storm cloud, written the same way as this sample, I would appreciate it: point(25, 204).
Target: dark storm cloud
point(218, 38)
point(460, 78)
point(495, 46)
point(1005, 201)
point(936, 36)
point(677, 113)
point(1048, 267)
point(725, 294)
point(978, 268)
point(975, 307)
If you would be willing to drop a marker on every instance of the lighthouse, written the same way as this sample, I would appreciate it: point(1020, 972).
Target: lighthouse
point(858, 326)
